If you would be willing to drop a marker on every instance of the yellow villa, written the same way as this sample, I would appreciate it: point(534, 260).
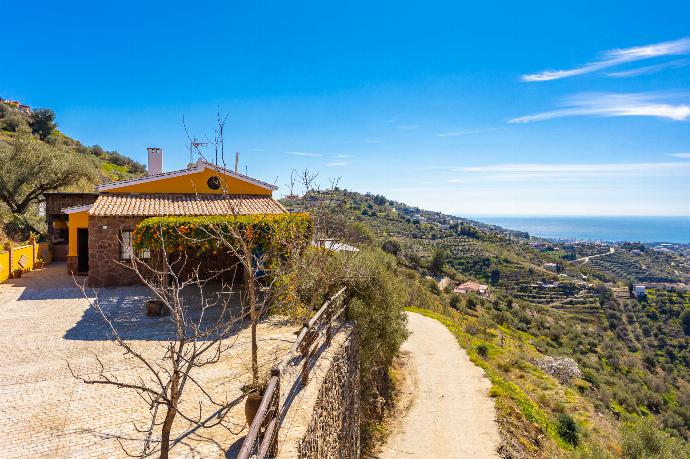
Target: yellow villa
point(93, 231)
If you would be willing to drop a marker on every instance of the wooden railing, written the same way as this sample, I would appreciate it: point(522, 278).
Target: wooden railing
point(262, 439)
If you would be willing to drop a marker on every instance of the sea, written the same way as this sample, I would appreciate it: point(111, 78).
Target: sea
point(611, 229)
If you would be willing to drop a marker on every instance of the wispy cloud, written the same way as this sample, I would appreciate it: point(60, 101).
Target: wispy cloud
point(615, 57)
point(535, 172)
point(372, 141)
point(649, 69)
point(337, 163)
point(303, 153)
point(680, 155)
point(464, 132)
point(342, 156)
point(607, 104)
point(395, 118)
point(408, 127)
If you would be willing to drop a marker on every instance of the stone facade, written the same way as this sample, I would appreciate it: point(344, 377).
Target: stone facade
point(72, 264)
point(104, 252)
point(333, 430)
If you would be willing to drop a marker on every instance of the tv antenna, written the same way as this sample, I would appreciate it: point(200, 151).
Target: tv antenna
point(195, 144)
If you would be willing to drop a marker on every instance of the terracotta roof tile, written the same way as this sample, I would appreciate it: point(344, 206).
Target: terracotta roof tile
point(154, 205)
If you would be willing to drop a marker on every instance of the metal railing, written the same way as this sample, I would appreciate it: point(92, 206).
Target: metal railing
point(262, 439)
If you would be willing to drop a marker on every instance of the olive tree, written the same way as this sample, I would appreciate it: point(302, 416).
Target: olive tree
point(29, 168)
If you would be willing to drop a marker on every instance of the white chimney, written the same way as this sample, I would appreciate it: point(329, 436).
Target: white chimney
point(155, 160)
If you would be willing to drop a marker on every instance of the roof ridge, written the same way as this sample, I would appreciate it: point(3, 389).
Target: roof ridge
point(198, 167)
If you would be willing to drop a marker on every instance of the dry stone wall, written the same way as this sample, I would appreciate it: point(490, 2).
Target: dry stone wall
point(333, 429)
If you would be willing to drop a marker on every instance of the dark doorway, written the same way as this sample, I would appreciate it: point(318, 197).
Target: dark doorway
point(82, 250)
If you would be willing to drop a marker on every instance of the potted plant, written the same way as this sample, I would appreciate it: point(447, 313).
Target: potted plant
point(255, 393)
point(155, 308)
point(17, 273)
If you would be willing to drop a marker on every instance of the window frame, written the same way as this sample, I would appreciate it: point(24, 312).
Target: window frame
point(126, 251)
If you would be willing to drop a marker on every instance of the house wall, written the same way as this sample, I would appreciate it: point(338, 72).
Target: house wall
point(76, 220)
point(55, 202)
point(4, 265)
point(194, 183)
point(104, 251)
point(28, 252)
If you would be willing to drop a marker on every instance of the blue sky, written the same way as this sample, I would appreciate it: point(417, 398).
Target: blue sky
point(465, 107)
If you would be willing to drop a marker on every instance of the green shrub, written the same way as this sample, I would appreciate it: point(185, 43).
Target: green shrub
point(644, 440)
point(482, 350)
point(391, 246)
point(379, 298)
point(567, 429)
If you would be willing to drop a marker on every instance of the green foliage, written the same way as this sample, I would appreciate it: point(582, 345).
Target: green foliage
point(482, 350)
point(391, 246)
point(31, 168)
point(438, 261)
point(567, 429)
point(12, 121)
point(685, 321)
point(205, 233)
point(379, 299)
point(644, 440)
point(495, 276)
point(42, 122)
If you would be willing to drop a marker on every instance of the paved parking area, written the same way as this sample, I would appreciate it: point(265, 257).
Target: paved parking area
point(45, 322)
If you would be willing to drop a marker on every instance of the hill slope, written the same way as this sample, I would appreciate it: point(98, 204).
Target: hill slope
point(36, 155)
point(559, 347)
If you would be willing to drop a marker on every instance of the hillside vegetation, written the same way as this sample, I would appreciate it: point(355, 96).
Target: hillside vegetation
point(579, 367)
point(35, 157)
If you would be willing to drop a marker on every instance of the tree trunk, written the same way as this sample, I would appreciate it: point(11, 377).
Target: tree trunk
point(169, 416)
point(253, 313)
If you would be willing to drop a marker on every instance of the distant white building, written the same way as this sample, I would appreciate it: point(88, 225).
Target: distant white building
point(335, 246)
point(640, 290)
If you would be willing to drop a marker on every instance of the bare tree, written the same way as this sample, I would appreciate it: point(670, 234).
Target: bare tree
point(198, 303)
point(202, 324)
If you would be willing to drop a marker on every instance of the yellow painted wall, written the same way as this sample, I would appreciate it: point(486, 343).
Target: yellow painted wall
point(4, 266)
point(28, 251)
point(194, 183)
point(76, 220)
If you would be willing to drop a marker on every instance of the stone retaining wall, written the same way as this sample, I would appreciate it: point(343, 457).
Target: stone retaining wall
point(323, 419)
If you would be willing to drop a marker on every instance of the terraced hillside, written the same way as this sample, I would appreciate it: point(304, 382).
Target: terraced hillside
point(632, 356)
point(635, 268)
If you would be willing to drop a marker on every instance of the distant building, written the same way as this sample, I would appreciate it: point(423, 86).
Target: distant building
point(472, 287)
point(335, 245)
point(640, 290)
point(17, 105)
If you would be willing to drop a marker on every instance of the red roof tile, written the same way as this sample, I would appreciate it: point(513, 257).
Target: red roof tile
point(154, 205)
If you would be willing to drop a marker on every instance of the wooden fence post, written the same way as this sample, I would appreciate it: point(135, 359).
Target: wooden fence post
point(273, 449)
point(10, 251)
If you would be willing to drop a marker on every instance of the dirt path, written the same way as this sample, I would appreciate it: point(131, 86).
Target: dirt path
point(451, 414)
